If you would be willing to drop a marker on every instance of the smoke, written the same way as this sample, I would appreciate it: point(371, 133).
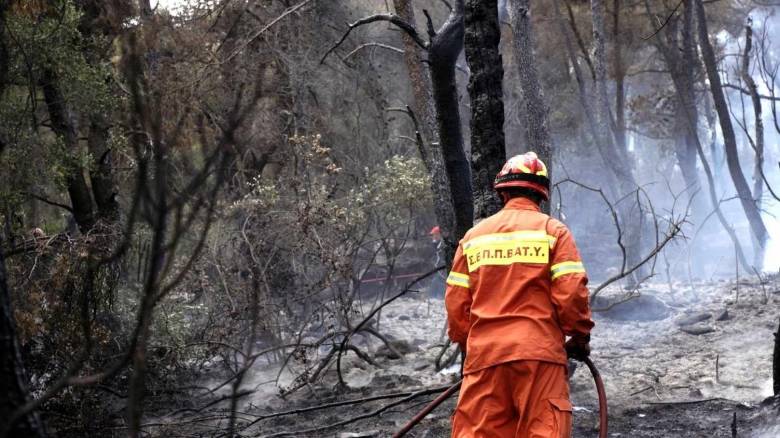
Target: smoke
point(503, 14)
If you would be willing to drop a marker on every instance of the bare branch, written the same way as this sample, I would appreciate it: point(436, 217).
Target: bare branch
point(391, 18)
point(366, 45)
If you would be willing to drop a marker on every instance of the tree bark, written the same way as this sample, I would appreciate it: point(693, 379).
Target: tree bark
point(732, 156)
point(64, 126)
point(419, 79)
point(13, 377)
point(488, 154)
point(536, 109)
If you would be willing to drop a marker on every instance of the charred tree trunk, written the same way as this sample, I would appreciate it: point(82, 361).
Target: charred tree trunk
point(444, 50)
point(64, 126)
point(536, 109)
point(436, 100)
point(732, 156)
point(758, 182)
point(488, 154)
point(13, 377)
point(620, 76)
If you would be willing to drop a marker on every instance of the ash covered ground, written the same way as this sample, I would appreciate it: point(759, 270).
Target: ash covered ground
point(677, 361)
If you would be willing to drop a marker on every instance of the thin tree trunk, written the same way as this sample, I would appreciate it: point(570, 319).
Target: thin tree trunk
point(488, 154)
point(419, 79)
point(620, 76)
point(536, 109)
point(64, 126)
point(732, 156)
point(615, 157)
point(688, 106)
point(101, 175)
point(679, 52)
point(758, 183)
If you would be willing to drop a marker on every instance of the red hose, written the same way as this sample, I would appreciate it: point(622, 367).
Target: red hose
point(431, 406)
point(603, 415)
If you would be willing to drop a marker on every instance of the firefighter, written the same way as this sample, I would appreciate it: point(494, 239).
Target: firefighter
point(517, 288)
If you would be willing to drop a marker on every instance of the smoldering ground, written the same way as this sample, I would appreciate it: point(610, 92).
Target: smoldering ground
point(662, 379)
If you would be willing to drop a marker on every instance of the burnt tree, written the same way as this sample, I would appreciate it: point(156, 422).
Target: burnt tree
point(752, 212)
point(445, 47)
point(682, 68)
point(446, 164)
point(488, 154)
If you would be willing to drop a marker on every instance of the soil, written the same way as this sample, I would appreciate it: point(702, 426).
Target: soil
point(661, 380)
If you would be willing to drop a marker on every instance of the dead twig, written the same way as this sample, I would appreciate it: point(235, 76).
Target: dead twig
point(359, 417)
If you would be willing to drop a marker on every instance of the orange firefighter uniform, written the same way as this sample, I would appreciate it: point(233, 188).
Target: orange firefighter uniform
point(516, 289)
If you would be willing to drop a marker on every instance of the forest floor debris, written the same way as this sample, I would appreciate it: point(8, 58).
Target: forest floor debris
point(661, 381)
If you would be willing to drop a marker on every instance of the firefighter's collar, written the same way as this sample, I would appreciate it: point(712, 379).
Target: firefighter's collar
point(521, 203)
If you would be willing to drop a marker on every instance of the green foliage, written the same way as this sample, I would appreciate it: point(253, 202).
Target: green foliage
point(53, 42)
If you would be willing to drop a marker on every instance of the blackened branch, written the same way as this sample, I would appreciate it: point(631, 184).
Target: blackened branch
point(391, 18)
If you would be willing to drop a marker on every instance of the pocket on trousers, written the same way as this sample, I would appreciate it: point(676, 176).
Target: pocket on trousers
point(561, 409)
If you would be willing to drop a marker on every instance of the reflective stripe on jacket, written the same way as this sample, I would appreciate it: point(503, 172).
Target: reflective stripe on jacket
point(517, 286)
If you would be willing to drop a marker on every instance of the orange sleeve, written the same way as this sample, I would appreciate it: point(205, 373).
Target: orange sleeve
point(458, 299)
point(569, 286)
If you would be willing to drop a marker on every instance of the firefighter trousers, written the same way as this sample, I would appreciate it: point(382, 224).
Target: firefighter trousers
point(521, 399)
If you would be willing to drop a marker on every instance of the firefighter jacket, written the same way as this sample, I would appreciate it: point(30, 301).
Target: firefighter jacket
point(516, 289)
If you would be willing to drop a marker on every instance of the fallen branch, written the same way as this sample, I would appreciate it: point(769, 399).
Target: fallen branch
point(692, 402)
point(360, 417)
point(368, 317)
point(337, 404)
